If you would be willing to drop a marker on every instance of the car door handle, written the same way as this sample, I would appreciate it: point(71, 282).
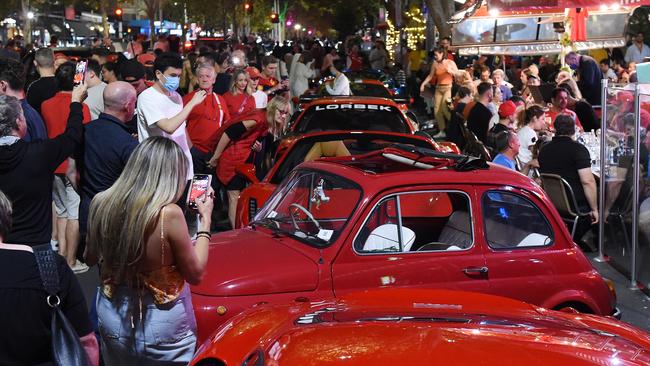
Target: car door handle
point(475, 270)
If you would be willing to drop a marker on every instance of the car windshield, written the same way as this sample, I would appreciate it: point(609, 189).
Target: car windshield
point(311, 206)
point(352, 117)
point(369, 90)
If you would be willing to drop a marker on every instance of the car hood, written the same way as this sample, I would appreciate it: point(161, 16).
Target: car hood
point(252, 262)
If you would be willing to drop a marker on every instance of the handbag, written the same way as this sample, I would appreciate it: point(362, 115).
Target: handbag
point(66, 346)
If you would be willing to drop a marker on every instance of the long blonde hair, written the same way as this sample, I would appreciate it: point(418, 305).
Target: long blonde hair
point(278, 102)
point(233, 82)
point(122, 217)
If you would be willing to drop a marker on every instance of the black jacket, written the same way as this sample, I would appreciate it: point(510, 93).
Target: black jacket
point(26, 175)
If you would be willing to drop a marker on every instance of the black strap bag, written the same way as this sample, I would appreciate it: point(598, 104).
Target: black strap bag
point(66, 346)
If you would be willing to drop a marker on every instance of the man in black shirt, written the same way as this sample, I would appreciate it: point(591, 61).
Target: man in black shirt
point(46, 86)
point(27, 168)
point(479, 117)
point(590, 76)
point(570, 160)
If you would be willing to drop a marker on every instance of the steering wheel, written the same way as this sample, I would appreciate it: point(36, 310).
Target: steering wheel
point(306, 212)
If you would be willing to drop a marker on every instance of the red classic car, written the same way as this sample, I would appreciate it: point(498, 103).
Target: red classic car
point(304, 147)
point(352, 113)
point(421, 327)
point(362, 87)
point(399, 217)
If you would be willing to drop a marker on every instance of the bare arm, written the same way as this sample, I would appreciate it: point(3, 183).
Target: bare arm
point(426, 81)
point(170, 125)
point(190, 260)
point(589, 186)
point(225, 140)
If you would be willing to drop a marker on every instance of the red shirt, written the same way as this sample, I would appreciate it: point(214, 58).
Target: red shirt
point(55, 113)
point(553, 113)
point(239, 104)
point(205, 119)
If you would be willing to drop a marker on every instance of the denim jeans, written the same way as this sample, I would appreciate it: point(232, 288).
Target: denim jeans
point(159, 335)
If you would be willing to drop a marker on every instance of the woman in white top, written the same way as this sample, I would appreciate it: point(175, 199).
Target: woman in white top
point(301, 73)
point(341, 83)
point(531, 121)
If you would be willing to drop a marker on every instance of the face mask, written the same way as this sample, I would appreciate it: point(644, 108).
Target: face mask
point(171, 83)
point(573, 67)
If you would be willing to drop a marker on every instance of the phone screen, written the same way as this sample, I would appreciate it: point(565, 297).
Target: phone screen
point(80, 73)
point(199, 189)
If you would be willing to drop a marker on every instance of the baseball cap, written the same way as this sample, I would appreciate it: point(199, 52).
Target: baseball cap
point(132, 70)
point(146, 59)
point(507, 109)
point(253, 72)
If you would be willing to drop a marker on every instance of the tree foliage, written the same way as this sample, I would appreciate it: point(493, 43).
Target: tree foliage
point(441, 11)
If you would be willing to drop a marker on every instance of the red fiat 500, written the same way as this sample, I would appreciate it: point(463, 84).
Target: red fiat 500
point(399, 218)
point(422, 327)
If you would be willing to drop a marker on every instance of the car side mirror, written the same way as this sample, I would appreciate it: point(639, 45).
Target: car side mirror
point(248, 172)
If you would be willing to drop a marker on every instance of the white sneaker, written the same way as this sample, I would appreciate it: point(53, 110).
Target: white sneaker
point(54, 244)
point(440, 135)
point(80, 267)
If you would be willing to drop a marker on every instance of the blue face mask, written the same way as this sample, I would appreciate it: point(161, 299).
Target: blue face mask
point(171, 83)
point(573, 66)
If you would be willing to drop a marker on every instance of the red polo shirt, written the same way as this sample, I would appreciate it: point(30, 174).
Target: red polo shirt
point(267, 83)
point(55, 113)
point(554, 113)
point(204, 121)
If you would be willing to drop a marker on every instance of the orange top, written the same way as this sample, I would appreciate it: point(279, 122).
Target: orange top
point(165, 283)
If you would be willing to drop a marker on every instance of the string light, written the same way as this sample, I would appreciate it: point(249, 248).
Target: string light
point(414, 30)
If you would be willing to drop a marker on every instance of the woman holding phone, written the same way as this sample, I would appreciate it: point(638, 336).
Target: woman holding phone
point(139, 235)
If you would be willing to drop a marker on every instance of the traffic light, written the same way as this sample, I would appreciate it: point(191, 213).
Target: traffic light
point(275, 18)
point(248, 8)
point(118, 14)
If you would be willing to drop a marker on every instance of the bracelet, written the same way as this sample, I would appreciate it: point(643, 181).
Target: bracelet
point(203, 236)
point(203, 232)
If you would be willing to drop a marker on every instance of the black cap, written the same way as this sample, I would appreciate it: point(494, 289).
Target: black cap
point(132, 70)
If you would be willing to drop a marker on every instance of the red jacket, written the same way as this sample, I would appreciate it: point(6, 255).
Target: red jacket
point(238, 151)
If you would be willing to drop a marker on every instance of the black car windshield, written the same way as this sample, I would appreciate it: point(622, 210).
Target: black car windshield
point(312, 206)
point(369, 90)
point(352, 117)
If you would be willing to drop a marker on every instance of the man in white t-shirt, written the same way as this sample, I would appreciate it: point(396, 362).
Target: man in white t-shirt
point(160, 107)
point(261, 99)
point(95, 99)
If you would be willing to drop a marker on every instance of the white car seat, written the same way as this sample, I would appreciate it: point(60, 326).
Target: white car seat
point(384, 237)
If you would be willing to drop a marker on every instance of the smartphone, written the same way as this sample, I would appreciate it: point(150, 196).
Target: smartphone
point(80, 73)
point(198, 189)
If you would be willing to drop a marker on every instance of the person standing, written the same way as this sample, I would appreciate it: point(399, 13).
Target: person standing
point(109, 72)
point(95, 100)
point(144, 305)
point(261, 99)
point(378, 56)
point(498, 78)
point(27, 168)
point(328, 60)
point(638, 51)
point(442, 76)
point(590, 76)
point(341, 83)
point(45, 87)
point(302, 71)
point(12, 83)
point(268, 80)
point(160, 107)
point(479, 117)
point(107, 146)
point(354, 60)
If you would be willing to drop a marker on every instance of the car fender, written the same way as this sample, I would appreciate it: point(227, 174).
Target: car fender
point(576, 296)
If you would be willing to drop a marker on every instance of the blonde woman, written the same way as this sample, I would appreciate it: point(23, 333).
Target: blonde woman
point(139, 235)
point(442, 76)
point(239, 98)
point(277, 115)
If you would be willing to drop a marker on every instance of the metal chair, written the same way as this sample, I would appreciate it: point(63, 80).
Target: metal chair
point(563, 198)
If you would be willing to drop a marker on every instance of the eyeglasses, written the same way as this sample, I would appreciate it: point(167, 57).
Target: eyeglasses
point(283, 113)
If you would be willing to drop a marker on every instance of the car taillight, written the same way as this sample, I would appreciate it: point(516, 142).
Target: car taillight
point(252, 209)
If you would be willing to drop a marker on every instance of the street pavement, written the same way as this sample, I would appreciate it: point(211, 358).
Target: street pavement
point(634, 304)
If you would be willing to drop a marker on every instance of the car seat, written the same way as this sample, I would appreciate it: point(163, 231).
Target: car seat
point(457, 230)
point(385, 238)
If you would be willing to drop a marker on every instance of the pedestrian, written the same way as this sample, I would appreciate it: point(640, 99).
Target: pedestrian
point(100, 54)
point(638, 51)
point(479, 117)
point(378, 56)
point(107, 146)
point(65, 189)
point(45, 87)
point(277, 115)
point(139, 235)
point(27, 337)
point(268, 79)
point(302, 71)
point(442, 76)
point(12, 83)
point(354, 60)
point(27, 168)
point(239, 99)
point(589, 76)
point(261, 99)
point(160, 107)
point(109, 72)
point(95, 100)
point(341, 83)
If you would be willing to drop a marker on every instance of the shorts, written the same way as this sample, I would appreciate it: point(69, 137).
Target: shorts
point(66, 199)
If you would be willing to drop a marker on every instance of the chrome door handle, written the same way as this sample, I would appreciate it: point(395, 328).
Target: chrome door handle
point(475, 270)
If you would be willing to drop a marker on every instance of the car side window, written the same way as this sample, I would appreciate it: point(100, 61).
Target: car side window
point(417, 222)
point(512, 221)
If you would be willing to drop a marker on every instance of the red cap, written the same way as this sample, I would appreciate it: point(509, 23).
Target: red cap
point(253, 72)
point(507, 109)
point(60, 55)
point(147, 59)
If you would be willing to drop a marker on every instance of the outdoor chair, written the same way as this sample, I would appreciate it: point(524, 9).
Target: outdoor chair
point(563, 198)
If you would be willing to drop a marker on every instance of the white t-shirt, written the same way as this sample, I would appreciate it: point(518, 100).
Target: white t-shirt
point(95, 100)
point(261, 99)
point(527, 138)
point(154, 106)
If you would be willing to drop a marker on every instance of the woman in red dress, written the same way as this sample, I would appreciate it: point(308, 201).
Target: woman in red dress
point(238, 138)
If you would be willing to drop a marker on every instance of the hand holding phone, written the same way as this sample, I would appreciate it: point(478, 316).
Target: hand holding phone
point(198, 190)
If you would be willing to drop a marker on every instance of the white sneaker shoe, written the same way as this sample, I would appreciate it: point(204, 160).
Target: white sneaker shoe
point(440, 135)
point(80, 267)
point(54, 244)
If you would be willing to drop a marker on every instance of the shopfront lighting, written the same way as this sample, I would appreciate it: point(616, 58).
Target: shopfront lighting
point(30, 15)
point(297, 27)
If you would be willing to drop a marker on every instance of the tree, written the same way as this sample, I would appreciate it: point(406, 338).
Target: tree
point(152, 9)
point(441, 11)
